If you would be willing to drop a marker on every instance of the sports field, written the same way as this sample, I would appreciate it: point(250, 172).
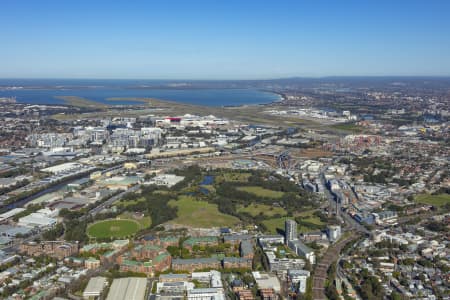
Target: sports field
point(261, 192)
point(144, 222)
point(196, 213)
point(435, 200)
point(113, 229)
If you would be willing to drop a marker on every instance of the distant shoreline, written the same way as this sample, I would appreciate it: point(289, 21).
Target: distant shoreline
point(213, 97)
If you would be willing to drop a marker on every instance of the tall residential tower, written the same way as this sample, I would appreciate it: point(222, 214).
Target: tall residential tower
point(290, 230)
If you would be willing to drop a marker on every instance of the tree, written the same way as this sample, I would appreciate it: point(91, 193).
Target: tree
point(54, 233)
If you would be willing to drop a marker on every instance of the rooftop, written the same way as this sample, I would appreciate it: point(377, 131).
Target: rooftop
point(129, 288)
point(95, 286)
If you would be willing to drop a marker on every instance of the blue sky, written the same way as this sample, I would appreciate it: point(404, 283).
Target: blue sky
point(223, 39)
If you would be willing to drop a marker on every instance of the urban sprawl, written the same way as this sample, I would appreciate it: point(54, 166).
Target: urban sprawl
point(337, 191)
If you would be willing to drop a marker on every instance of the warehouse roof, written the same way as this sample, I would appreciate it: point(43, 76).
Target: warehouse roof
point(12, 231)
point(130, 288)
point(11, 213)
point(95, 287)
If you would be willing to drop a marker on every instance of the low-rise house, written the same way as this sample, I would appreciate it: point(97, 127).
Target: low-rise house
point(244, 294)
point(268, 294)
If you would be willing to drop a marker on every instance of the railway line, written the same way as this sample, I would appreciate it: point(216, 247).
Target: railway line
point(320, 273)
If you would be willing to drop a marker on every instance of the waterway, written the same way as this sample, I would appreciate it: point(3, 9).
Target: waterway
point(34, 91)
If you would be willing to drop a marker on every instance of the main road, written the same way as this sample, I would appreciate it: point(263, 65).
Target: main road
point(113, 199)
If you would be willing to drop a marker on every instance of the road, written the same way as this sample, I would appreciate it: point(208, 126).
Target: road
point(341, 275)
point(151, 282)
point(113, 199)
point(351, 223)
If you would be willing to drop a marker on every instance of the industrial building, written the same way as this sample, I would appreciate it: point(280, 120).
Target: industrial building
point(95, 288)
point(11, 213)
point(36, 220)
point(205, 294)
point(129, 288)
point(168, 180)
point(71, 166)
point(266, 281)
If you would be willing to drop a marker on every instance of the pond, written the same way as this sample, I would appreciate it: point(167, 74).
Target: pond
point(207, 180)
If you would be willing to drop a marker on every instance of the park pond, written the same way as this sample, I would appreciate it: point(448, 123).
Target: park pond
point(208, 180)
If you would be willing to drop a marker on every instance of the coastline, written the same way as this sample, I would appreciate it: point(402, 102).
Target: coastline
point(216, 97)
point(281, 95)
point(247, 113)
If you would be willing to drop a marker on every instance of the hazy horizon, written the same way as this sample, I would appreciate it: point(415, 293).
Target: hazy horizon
point(235, 79)
point(233, 40)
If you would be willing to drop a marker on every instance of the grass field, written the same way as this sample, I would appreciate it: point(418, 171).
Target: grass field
point(208, 187)
point(435, 200)
point(113, 228)
point(348, 127)
point(273, 224)
point(232, 177)
point(314, 220)
point(267, 210)
point(307, 216)
point(144, 222)
point(261, 192)
point(200, 213)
